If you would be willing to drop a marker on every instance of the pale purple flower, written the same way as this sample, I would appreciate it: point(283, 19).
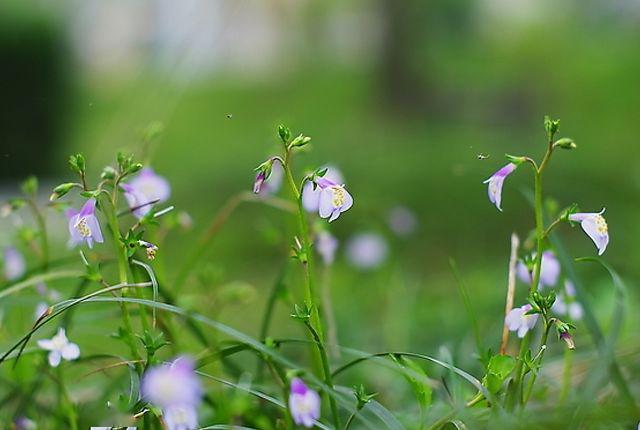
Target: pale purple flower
point(518, 320)
point(266, 185)
point(14, 264)
point(41, 309)
point(175, 389)
point(326, 245)
point(495, 184)
point(304, 403)
point(333, 200)
point(549, 271)
point(146, 189)
point(83, 225)
point(59, 347)
point(566, 303)
point(402, 221)
point(24, 423)
point(311, 194)
point(595, 226)
point(367, 250)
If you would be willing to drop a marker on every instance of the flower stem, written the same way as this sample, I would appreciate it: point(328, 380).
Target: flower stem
point(566, 375)
point(315, 324)
point(543, 348)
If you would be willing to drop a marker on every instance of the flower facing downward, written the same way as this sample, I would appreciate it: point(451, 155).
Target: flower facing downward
point(304, 403)
point(495, 184)
point(14, 264)
point(334, 199)
point(595, 226)
point(176, 390)
point(311, 193)
point(518, 320)
point(269, 178)
point(145, 190)
point(326, 245)
point(549, 271)
point(59, 347)
point(83, 225)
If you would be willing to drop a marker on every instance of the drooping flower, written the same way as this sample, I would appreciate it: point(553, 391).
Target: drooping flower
point(14, 264)
point(83, 225)
point(175, 389)
point(59, 347)
point(326, 245)
point(269, 181)
point(568, 339)
point(566, 303)
point(549, 271)
point(151, 249)
point(495, 184)
point(402, 221)
point(594, 224)
point(367, 250)
point(304, 403)
point(518, 320)
point(24, 423)
point(145, 190)
point(329, 198)
point(311, 194)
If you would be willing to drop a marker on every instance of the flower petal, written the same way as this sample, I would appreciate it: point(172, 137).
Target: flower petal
point(70, 351)
point(54, 358)
point(326, 208)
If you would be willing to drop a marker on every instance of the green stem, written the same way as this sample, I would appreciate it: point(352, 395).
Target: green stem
point(349, 421)
point(449, 416)
point(328, 380)
point(540, 355)
point(566, 375)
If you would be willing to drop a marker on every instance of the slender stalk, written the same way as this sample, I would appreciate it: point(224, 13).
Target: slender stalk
point(315, 325)
point(449, 416)
point(511, 290)
point(543, 348)
point(566, 375)
point(350, 420)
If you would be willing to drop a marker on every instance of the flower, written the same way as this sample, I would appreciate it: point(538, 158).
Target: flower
point(24, 423)
point(269, 181)
point(145, 190)
point(329, 198)
point(402, 221)
point(549, 271)
point(568, 339)
point(518, 320)
point(495, 183)
point(59, 347)
point(326, 245)
point(14, 264)
point(367, 250)
point(304, 403)
point(566, 303)
point(311, 193)
point(151, 249)
point(175, 389)
point(83, 225)
point(595, 226)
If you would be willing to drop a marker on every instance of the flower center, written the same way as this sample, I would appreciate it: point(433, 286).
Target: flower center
point(339, 196)
point(601, 225)
point(82, 227)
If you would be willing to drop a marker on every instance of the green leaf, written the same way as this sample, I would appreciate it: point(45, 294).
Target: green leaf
point(499, 369)
point(417, 377)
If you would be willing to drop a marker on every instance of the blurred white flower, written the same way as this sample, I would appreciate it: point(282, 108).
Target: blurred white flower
point(402, 221)
point(326, 245)
point(367, 250)
point(59, 347)
point(14, 264)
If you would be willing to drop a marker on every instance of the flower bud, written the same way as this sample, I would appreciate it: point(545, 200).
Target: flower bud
point(284, 133)
point(517, 160)
point(565, 143)
point(108, 173)
point(551, 126)
point(76, 163)
point(568, 339)
point(61, 190)
point(300, 140)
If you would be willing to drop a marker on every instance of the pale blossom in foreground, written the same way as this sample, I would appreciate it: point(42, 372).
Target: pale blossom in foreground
point(549, 271)
point(174, 388)
point(333, 199)
point(594, 224)
point(14, 264)
point(304, 403)
point(311, 194)
point(59, 347)
point(517, 320)
point(83, 225)
point(495, 184)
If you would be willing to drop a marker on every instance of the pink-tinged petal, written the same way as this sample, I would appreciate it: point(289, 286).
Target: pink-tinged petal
point(569, 288)
point(550, 271)
point(559, 306)
point(46, 344)
point(596, 228)
point(334, 215)
point(94, 226)
point(151, 185)
point(310, 197)
point(76, 237)
point(514, 319)
point(14, 263)
point(54, 358)
point(70, 351)
point(89, 208)
point(531, 320)
point(298, 386)
point(523, 273)
point(348, 202)
point(575, 311)
point(522, 331)
point(496, 182)
point(326, 208)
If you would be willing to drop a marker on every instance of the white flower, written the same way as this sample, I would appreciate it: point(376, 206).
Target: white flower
point(59, 347)
point(518, 320)
point(595, 226)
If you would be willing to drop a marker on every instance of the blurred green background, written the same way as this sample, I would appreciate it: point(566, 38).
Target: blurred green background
point(401, 96)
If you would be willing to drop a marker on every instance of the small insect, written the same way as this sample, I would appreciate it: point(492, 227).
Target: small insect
point(229, 116)
point(483, 156)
